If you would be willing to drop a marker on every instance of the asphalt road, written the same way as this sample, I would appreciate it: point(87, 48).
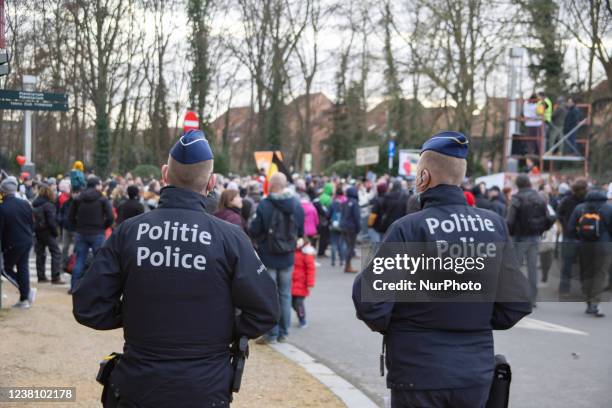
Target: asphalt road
point(560, 357)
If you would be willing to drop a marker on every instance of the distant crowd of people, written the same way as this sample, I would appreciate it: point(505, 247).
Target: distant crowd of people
point(321, 216)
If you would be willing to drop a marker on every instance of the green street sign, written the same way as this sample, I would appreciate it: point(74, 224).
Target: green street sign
point(33, 101)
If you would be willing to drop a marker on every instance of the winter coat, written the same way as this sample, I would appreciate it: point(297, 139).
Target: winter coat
point(231, 215)
point(77, 180)
point(566, 207)
point(393, 208)
point(16, 223)
point(498, 206)
point(91, 213)
point(304, 271)
point(480, 200)
point(326, 196)
point(572, 118)
point(63, 197)
point(63, 218)
point(43, 205)
point(287, 203)
point(351, 216)
point(323, 215)
point(524, 202)
point(311, 218)
point(336, 208)
point(129, 208)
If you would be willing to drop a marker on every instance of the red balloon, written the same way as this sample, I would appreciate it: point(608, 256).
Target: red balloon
point(20, 160)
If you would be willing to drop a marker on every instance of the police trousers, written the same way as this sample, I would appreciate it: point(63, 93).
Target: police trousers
point(595, 259)
point(452, 398)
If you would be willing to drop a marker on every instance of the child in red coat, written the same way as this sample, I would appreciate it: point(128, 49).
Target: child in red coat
point(304, 270)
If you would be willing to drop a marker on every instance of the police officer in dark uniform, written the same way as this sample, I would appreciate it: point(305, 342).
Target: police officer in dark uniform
point(183, 284)
point(440, 354)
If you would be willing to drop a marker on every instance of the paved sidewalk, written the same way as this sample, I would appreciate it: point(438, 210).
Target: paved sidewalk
point(44, 346)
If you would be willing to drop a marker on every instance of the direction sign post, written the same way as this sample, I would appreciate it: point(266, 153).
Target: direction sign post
point(29, 82)
point(29, 101)
point(32, 101)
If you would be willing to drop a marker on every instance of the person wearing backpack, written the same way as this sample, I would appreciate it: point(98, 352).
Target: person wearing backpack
point(91, 213)
point(77, 177)
point(336, 238)
point(46, 231)
point(528, 218)
point(351, 224)
point(569, 246)
point(591, 224)
point(276, 227)
point(323, 203)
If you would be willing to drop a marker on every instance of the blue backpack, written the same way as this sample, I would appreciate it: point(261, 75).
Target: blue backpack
point(336, 216)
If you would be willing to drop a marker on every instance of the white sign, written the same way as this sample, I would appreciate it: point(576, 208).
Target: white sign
point(408, 160)
point(366, 155)
point(307, 162)
point(498, 179)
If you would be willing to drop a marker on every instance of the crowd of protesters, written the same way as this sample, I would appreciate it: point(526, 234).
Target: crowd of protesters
point(318, 216)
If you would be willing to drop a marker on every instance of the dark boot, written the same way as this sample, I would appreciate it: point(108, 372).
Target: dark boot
point(349, 268)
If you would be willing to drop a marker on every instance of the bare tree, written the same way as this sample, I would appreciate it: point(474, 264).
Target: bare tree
point(100, 23)
point(207, 52)
point(394, 94)
point(272, 29)
point(158, 133)
point(460, 43)
point(590, 23)
point(307, 54)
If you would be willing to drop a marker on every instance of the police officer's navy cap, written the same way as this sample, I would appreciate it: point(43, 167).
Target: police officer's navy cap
point(191, 148)
point(448, 143)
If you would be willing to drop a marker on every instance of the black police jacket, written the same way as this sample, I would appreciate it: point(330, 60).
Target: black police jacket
point(183, 284)
point(442, 345)
point(16, 223)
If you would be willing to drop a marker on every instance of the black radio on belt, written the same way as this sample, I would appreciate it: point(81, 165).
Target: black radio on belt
point(500, 387)
point(107, 365)
point(239, 352)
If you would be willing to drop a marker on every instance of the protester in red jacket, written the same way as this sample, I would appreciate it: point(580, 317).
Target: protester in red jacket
point(304, 271)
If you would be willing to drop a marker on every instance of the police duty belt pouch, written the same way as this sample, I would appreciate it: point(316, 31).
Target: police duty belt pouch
point(107, 365)
point(500, 387)
point(239, 354)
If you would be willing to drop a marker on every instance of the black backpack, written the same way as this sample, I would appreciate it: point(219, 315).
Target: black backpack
point(282, 237)
point(588, 227)
point(40, 218)
point(533, 216)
